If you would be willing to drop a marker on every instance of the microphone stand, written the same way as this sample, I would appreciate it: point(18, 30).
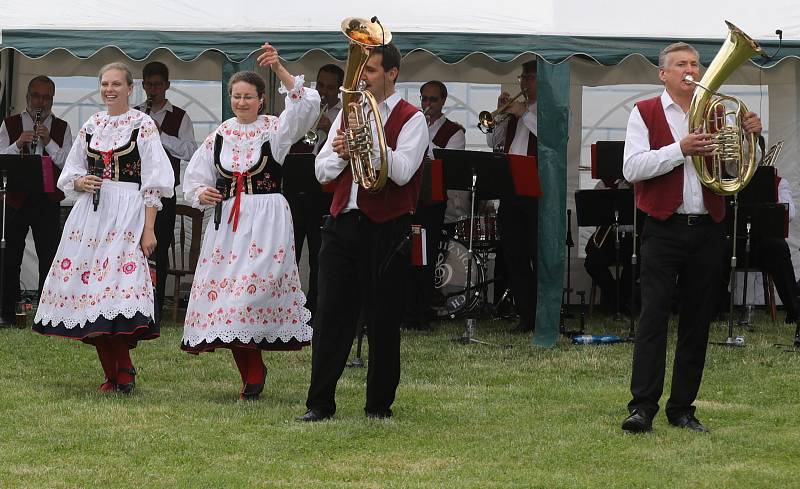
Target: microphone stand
point(3, 233)
point(634, 261)
point(732, 341)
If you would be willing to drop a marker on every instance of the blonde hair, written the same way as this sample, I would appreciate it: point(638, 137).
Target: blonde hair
point(117, 66)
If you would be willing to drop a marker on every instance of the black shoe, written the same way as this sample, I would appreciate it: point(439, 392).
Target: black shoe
point(379, 414)
point(688, 421)
point(127, 389)
point(251, 392)
point(312, 416)
point(638, 422)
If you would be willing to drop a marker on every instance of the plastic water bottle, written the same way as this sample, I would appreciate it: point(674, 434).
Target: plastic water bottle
point(589, 339)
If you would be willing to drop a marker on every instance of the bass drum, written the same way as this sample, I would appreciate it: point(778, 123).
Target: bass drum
point(450, 280)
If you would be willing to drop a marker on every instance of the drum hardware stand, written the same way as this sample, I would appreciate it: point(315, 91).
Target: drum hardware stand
point(747, 311)
point(794, 347)
point(732, 341)
point(567, 292)
point(357, 361)
point(569, 333)
point(615, 225)
point(634, 262)
point(468, 336)
point(3, 234)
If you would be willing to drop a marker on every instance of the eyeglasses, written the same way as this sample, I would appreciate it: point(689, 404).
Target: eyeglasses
point(431, 99)
point(153, 84)
point(246, 98)
point(526, 77)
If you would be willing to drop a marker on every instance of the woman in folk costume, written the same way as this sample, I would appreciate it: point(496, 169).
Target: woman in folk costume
point(99, 289)
point(246, 292)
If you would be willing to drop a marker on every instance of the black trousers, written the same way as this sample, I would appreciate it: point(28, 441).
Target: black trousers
point(597, 263)
point(772, 255)
point(165, 234)
point(675, 254)
point(519, 224)
point(42, 217)
point(360, 262)
point(308, 211)
point(420, 285)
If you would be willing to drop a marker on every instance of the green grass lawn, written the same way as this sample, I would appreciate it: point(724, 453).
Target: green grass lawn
point(465, 416)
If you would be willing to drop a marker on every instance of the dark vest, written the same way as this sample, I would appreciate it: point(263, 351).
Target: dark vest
point(264, 177)
point(511, 130)
point(443, 135)
point(121, 164)
point(393, 200)
point(57, 130)
point(171, 126)
point(660, 196)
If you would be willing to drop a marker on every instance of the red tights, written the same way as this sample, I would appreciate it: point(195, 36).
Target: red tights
point(251, 366)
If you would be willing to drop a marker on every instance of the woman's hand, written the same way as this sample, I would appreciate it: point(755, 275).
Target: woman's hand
point(88, 183)
point(148, 241)
point(210, 196)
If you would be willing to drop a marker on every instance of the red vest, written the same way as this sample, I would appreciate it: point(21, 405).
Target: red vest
point(171, 125)
point(511, 131)
point(393, 200)
point(57, 130)
point(659, 197)
point(443, 135)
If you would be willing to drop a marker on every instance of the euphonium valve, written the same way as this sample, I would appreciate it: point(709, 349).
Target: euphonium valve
point(733, 163)
point(364, 37)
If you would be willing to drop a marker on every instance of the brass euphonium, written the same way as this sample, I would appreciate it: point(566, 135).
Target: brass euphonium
point(720, 115)
point(364, 37)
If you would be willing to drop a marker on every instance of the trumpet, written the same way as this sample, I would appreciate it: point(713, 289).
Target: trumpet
point(311, 136)
point(426, 115)
point(488, 120)
point(37, 119)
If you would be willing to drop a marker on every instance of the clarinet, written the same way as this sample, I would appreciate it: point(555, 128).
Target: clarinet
point(221, 185)
point(98, 172)
point(148, 105)
point(37, 119)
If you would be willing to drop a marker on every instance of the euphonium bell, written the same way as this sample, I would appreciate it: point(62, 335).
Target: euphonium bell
point(364, 37)
point(720, 115)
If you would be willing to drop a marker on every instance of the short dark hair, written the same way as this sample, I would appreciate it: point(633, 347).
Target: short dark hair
point(336, 70)
point(391, 56)
point(41, 79)
point(529, 67)
point(155, 68)
point(436, 83)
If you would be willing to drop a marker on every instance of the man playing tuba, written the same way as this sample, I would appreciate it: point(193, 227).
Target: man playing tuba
point(682, 241)
point(365, 247)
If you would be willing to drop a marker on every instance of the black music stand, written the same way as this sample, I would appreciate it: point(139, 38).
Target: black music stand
point(18, 173)
point(609, 159)
point(603, 207)
point(298, 174)
point(488, 176)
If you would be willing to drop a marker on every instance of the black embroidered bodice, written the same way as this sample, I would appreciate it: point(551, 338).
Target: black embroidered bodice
point(125, 164)
point(262, 178)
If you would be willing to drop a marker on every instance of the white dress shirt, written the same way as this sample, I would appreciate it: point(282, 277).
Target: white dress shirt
point(404, 160)
point(785, 197)
point(184, 145)
point(322, 136)
point(56, 152)
point(642, 163)
point(457, 200)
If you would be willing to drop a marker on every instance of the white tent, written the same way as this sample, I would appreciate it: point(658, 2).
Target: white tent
point(582, 44)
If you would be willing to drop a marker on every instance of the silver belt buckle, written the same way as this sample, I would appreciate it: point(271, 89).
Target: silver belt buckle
point(692, 219)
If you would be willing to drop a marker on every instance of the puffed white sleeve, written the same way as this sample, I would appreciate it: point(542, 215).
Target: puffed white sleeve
point(75, 165)
point(302, 110)
point(200, 174)
point(158, 180)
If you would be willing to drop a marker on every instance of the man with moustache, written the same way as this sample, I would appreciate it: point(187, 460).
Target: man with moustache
point(38, 212)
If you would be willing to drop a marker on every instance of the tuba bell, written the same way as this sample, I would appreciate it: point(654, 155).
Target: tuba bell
point(720, 115)
point(364, 37)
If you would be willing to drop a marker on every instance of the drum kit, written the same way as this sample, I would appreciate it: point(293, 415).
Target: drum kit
point(453, 263)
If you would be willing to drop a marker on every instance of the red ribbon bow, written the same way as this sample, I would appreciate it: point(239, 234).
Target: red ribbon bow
point(234, 215)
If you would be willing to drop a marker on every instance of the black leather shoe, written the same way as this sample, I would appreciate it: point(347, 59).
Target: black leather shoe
point(312, 416)
point(638, 422)
point(688, 421)
point(380, 414)
point(251, 392)
point(127, 389)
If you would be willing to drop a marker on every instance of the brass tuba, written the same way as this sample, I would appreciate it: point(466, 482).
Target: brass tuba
point(720, 115)
point(364, 37)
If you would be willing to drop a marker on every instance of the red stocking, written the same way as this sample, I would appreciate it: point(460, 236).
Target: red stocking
point(256, 371)
point(240, 357)
point(124, 363)
point(107, 360)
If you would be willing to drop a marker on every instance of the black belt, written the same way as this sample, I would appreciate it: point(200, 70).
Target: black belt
point(690, 219)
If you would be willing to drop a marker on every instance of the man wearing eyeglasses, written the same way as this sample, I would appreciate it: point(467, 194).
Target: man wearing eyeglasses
point(20, 134)
point(518, 215)
point(177, 137)
point(431, 215)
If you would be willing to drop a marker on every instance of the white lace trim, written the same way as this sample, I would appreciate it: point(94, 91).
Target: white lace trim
point(47, 318)
point(297, 92)
point(152, 198)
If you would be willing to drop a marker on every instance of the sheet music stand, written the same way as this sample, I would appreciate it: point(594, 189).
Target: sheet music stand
point(18, 173)
point(487, 175)
point(298, 174)
point(609, 159)
point(603, 207)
